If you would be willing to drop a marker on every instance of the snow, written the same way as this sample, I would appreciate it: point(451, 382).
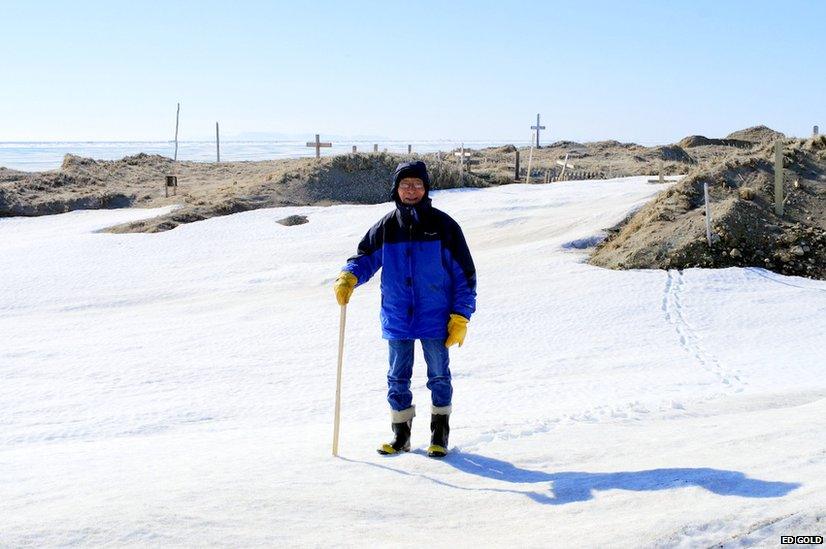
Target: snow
point(177, 388)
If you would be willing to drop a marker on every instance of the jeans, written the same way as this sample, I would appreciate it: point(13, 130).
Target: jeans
point(401, 369)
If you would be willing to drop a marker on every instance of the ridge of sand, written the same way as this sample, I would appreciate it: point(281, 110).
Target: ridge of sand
point(667, 233)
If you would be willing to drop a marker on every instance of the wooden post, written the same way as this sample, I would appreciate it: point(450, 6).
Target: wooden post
point(217, 144)
point(318, 144)
point(537, 128)
point(708, 212)
point(409, 149)
point(530, 161)
point(177, 116)
point(516, 176)
point(778, 177)
point(171, 181)
point(815, 131)
point(375, 147)
point(660, 179)
point(354, 149)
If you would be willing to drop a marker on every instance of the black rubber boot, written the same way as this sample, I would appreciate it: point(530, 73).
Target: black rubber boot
point(439, 432)
point(401, 441)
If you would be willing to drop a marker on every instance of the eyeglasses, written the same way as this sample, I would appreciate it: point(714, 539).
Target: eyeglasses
point(408, 186)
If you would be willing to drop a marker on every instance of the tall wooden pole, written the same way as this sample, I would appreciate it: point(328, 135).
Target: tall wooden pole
point(177, 116)
point(530, 161)
point(778, 177)
point(708, 212)
point(337, 418)
point(516, 176)
point(217, 144)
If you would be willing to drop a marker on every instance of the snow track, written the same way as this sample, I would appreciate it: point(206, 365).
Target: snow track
point(690, 340)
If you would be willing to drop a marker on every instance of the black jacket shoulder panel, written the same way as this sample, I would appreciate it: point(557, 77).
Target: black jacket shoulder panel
point(454, 240)
point(375, 237)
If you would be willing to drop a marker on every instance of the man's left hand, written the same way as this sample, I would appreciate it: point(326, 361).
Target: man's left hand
point(456, 330)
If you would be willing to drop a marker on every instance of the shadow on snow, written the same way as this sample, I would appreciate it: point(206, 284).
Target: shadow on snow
point(572, 486)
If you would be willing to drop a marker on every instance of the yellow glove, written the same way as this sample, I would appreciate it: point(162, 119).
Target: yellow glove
point(456, 330)
point(343, 286)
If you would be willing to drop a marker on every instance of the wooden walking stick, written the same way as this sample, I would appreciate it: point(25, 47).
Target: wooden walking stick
point(342, 321)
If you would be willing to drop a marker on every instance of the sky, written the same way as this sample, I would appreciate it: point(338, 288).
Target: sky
point(645, 71)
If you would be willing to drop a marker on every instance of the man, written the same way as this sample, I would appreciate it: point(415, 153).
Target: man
point(428, 291)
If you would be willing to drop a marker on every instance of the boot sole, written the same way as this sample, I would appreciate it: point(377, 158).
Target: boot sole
point(388, 450)
point(436, 451)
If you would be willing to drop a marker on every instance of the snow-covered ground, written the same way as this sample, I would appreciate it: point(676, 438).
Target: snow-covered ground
point(178, 388)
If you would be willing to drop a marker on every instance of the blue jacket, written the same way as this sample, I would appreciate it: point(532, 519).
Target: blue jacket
point(427, 270)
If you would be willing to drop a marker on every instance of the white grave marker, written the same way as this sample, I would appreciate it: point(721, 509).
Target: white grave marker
point(565, 166)
point(660, 179)
point(462, 155)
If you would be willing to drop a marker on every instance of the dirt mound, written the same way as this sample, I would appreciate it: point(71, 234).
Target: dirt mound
point(695, 141)
point(351, 178)
point(756, 134)
point(45, 193)
point(574, 145)
point(504, 149)
point(292, 220)
point(674, 153)
point(669, 232)
point(702, 141)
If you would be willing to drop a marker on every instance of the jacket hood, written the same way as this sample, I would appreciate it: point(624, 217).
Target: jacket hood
point(416, 168)
point(412, 214)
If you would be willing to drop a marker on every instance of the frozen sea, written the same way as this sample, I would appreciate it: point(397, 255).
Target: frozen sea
point(40, 156)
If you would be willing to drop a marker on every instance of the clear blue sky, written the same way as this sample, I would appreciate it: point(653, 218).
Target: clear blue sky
point(646, 71)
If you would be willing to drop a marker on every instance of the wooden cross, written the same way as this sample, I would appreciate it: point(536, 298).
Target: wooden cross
point(318, 144)
point(462, 155)
point(565, 166)
point(537, 128)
